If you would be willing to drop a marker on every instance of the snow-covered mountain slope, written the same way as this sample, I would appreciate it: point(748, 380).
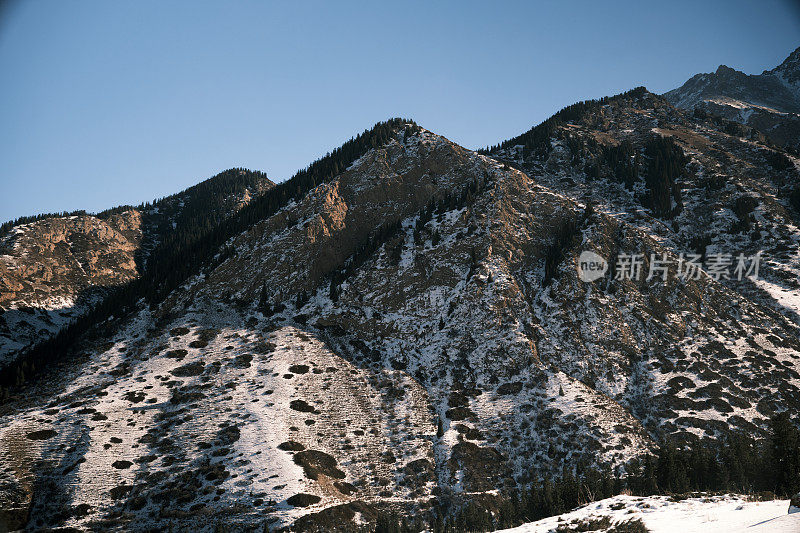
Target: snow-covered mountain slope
point(769, 101)
point(54, 269)
point(211, 423)
point(735, 195)
point(683, 335)
point(412, 331)
point(661, 514)
point(789, 71)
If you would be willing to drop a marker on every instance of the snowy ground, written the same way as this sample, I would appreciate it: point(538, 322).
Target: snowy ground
point(715, 514)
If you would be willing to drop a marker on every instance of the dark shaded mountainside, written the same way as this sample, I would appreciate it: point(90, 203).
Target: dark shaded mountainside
point(400, 330)
point(769, 101)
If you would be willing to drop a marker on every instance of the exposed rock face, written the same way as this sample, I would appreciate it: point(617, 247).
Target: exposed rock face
point(794, 504)
point(789, 71)
point(769, 101)
point(55, 269)
point(49, 262)
point(461, 357)
point(384, 186)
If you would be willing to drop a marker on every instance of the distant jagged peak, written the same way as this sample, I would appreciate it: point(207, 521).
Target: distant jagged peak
point(789, 70)
point(726, 70)
point(777, 89)
point(789, 65)
point(792, 62)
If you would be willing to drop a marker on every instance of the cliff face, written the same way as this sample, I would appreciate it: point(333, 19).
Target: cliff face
point(414, 330)
point(52, 260)
point(53, 270)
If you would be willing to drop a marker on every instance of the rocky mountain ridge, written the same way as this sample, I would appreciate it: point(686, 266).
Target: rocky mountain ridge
point(769, 101)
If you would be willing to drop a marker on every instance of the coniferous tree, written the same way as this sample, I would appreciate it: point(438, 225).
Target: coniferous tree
point(785, 454)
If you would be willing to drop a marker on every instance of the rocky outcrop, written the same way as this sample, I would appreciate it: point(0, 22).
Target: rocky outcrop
point(53, 270)
point(49, 262)
point(335, 218)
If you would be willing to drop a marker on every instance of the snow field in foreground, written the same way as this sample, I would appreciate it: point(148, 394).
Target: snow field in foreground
point(714, 514)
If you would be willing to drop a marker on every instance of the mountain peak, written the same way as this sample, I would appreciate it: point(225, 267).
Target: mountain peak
point(767, 100)
point(792, 61)
point(789, 71)
point(725, 69)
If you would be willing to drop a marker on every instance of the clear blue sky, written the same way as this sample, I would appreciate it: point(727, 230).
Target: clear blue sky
point(109, 102)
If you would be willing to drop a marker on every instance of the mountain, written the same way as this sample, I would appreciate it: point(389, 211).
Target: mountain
point(769, 101)
point(54, 269)
point(401, 331)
